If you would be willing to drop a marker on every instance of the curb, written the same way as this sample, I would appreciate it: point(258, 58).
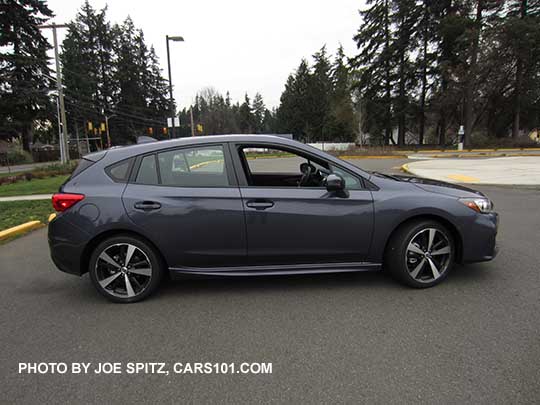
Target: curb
point(353, 157)
point(405, 168)
point(20, 229)
point(470, 155)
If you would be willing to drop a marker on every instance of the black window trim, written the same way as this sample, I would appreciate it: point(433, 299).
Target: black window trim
point(229, 170)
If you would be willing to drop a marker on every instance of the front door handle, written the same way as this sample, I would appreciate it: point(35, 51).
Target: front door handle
point(147, 205)
point(260, 205)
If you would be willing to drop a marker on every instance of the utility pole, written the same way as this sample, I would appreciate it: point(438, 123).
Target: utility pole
point(171, 99)
point(63, 141)
point(192, 127)
point(107, 117)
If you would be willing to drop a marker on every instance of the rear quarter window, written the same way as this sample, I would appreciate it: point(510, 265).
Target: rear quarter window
point(120, 171)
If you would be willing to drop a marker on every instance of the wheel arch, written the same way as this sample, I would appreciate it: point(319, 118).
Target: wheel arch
point(96, 240)
point(456, 234)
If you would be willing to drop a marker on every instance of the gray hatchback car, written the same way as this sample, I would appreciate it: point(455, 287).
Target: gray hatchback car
point(243, 205)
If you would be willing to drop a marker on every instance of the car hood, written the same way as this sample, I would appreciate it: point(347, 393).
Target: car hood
point(441, 187)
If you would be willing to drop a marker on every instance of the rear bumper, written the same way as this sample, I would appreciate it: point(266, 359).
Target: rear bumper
point(480, 239)
point(66, 245)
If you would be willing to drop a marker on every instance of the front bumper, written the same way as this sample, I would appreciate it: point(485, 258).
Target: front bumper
point(480, 239)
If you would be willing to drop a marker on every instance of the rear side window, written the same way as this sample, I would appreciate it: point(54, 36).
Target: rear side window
point(119, 172)
point(147, 171)
point(193, 167)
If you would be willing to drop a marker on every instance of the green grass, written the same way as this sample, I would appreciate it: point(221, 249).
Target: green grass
point(15, 213)
point(47, 185)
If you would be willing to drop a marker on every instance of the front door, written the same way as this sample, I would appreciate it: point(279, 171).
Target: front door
point(293, 219)
point(189, 205)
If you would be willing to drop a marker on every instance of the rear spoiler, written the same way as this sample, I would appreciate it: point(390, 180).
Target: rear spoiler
point(145, 139)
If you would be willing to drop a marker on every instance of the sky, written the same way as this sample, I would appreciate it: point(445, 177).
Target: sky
point(232, 45)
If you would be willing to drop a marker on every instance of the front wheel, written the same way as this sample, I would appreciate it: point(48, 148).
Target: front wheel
point(420, 254)
point(125, 269)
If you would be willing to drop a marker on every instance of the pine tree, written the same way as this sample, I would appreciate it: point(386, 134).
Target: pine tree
point(521, 35)
point(342, 120)
point(294, 111)
point(157, 87)
point(24, 71)
point(375, 67)
point(88, 66)
point(246, 122)
point(258, 109)
point(405, 17)
point(425, 37)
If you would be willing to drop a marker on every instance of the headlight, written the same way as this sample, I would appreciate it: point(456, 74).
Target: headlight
point(482, 205)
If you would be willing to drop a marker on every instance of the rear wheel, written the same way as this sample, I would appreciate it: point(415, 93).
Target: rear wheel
point(420, 254)
point(125, 269)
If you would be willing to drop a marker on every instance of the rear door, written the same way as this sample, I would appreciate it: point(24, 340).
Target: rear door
point(187, 201)
point(288, 223)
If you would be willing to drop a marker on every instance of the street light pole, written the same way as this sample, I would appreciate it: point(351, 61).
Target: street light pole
point(171, 99)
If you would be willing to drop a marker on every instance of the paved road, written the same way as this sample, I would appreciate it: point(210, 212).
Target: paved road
point(346, 338)
point(523, 170)
point(24, 167)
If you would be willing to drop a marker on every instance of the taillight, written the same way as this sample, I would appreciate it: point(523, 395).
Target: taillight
point(63, 201)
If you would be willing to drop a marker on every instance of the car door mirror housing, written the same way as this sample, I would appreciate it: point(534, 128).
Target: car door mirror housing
point(334, 182)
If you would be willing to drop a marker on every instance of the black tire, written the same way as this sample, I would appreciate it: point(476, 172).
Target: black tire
point(402, 262)
point(140, 287)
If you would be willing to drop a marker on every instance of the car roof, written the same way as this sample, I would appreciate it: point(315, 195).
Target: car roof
point(116, 154)
point(133, 150)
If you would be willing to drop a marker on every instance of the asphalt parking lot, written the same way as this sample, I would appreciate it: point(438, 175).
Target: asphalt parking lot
point(344, 338)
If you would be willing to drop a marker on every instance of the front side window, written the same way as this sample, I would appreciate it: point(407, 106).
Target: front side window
point(351, 182)
point(271, 167)
point(193, 167)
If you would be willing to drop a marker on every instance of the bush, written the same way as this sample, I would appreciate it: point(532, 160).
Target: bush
point(41, 173)
point(483, 141)
point(16, 157)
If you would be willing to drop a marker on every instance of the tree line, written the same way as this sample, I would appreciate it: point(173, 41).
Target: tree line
point(422, 69)
point(425, 67)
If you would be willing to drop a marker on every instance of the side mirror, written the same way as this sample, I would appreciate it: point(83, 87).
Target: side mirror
point(334, 182)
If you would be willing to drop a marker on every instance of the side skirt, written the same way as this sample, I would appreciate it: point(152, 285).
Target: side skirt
point(276, 270)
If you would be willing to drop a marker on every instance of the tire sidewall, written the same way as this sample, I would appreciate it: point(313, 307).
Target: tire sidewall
point(398, 250)
point(155, 261)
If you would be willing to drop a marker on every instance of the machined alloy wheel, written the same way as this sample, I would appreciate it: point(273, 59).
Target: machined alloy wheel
point(428, 255)
point(125, 269)
point(420, 253)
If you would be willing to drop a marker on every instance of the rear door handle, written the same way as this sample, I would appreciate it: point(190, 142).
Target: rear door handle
point(260, 205)
point(147, 205)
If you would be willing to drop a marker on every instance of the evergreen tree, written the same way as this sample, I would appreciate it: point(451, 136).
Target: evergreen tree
point(405, 16)
point(259, 110)
point(521, 35)
point(375, 68)
point(294, 111)
point(342, 121)
point(24, 72)
point(246, 121)
point(88, 66)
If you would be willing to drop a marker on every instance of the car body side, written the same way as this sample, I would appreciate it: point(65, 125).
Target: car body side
point(75, 232)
